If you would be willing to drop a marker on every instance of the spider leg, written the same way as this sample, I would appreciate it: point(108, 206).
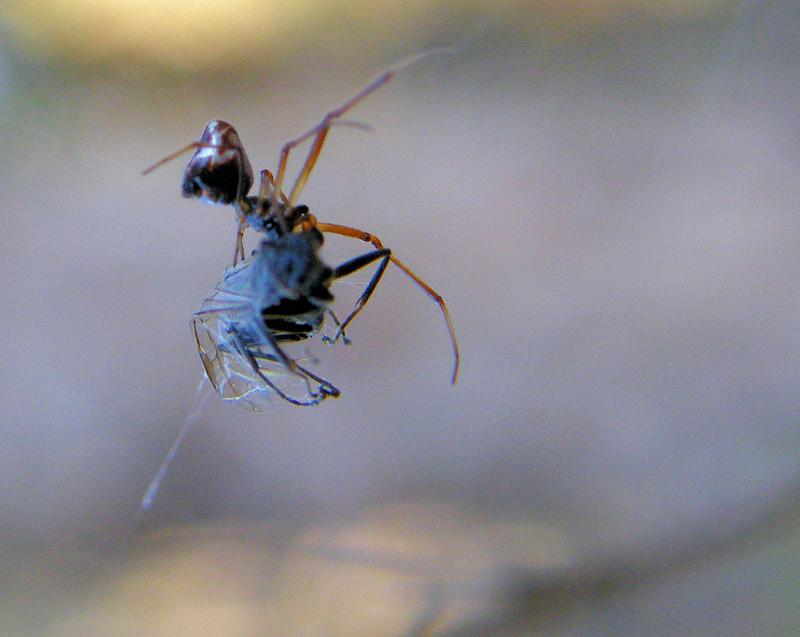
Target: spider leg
point(348, 267)
point(269, 177)
point(320, 131)
point(355, 233)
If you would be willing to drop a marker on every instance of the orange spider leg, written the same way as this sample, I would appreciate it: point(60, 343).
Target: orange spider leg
point(320, 131)
point(355, 233)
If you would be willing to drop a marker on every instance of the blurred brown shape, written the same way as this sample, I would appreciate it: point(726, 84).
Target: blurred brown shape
point(387, 571)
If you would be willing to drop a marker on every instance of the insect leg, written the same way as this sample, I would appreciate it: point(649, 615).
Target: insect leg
point(356, 264)
point(280, 355)
point(355, 233)
point(326, 388)
point(251, 359)
point(238, 251)
point(268, 339)
point(338, 323)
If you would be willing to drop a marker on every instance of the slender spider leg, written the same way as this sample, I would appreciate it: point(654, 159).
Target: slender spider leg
point(320, 131)
point(355, 233)
point(268, 179)
point(348, 267)
point(299, 140)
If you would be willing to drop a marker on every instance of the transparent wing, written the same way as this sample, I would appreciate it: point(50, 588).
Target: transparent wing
point(242, 369)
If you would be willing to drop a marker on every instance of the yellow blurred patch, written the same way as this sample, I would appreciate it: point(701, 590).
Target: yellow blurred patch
point(207, 35)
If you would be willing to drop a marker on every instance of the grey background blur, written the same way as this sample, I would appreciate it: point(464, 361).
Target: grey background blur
point(606, 195)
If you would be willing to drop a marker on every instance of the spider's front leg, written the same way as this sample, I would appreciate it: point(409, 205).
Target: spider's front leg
point(348, 267)
point(361, 235)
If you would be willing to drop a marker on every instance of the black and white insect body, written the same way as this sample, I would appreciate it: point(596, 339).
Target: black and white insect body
point(279, 296)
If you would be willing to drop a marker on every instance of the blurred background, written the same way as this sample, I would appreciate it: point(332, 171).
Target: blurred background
point(604, 192)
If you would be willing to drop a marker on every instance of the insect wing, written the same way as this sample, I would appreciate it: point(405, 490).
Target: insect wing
point(241, 369)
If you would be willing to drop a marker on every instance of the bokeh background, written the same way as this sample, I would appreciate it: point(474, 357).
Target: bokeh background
point(606, 193)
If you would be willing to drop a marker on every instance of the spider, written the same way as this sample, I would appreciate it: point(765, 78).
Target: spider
point(220, 172)
point(280, 295)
